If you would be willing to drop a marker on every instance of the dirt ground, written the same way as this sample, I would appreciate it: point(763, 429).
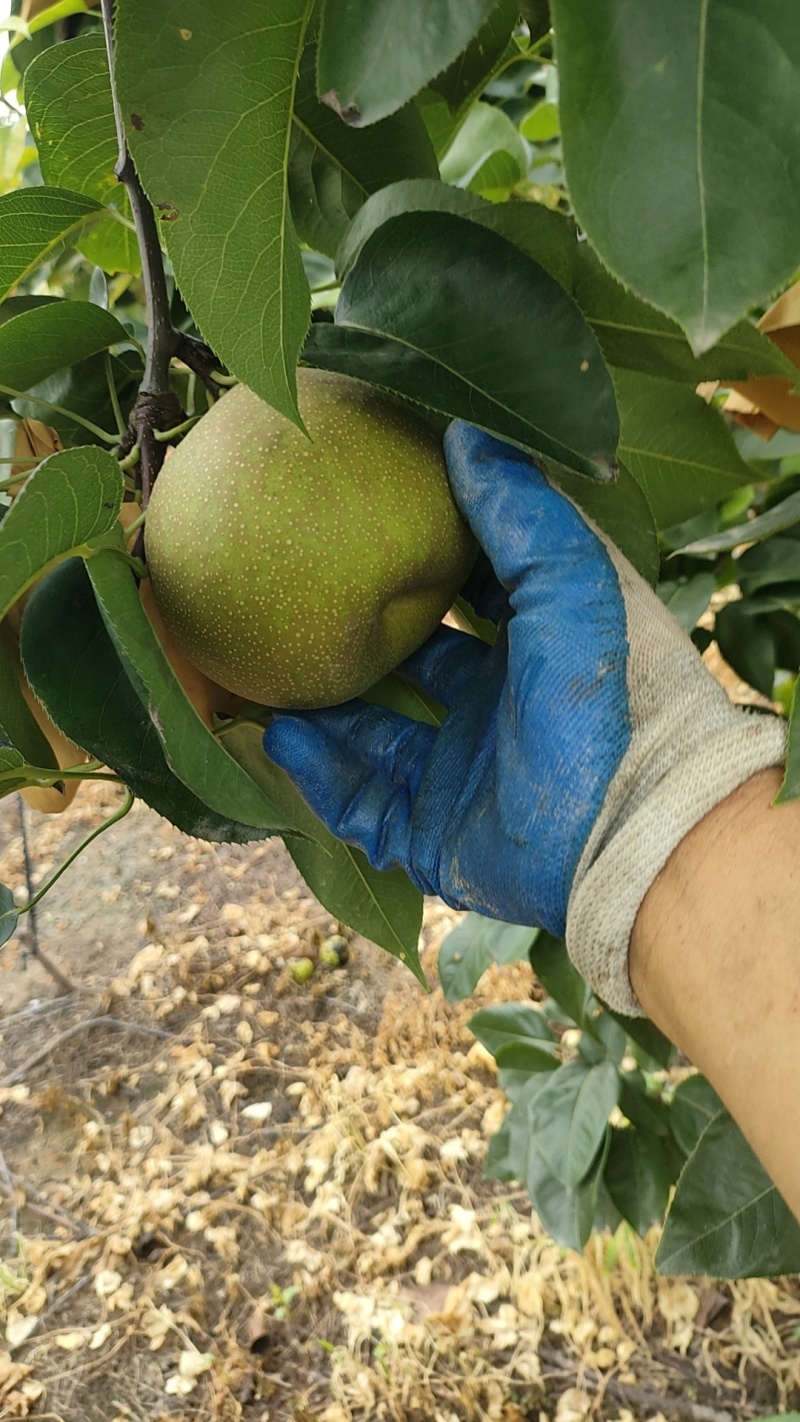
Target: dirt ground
point(226, 1195)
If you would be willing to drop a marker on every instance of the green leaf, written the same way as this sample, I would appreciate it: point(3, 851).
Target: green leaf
point(410, 195)
point(571, 1118)
point(649, 1113)
point(384, 906)
point(8, 914)
point(567, 1215)
point(71, 116)
point(766, 564)
point(622, 511)
point(208, 113)
point(631, 333)
point(473, 946)
point(71, 663)
point(656, 114)
point(17, 722)
point(692, 1108)
point(445, 313)
point(37, 222)
point(375, 56)
point(636, 336)
point(192, 751)
point(509, 1024)
point(542, 123)
point(450, 95)
point(398, 694)
point(747, 644)
point(36, 343)
point(486, 153)
point(69, 502)
point(727, 1219)
point(676, 446)
point(333, 169)
point(688, 603)
point(775, 520)
point(552, 966)
point(638, 1177)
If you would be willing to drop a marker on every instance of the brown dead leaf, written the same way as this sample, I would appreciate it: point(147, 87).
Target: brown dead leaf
point(768, 403)
point(33, 441)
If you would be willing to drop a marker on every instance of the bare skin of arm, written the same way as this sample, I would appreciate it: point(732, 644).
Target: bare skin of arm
point(715, 962)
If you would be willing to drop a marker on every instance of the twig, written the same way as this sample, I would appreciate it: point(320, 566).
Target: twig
point(31, 928)
point(53, 1308)
point(39, 1204)
point(157, 405)
point(94, 1021)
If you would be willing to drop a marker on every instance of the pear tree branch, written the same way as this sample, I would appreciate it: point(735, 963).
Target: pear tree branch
point(157, 406)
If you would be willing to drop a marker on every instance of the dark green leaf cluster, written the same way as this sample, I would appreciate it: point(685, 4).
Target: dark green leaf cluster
point(598, 1130)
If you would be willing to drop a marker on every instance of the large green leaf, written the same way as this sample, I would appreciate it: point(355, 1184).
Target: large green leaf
point(741, 1227)
point(686, 181)
point(630, 332)
point(383, 906)
point(333, 168)
point(450, 315)
point(71, 663)
point(692, 1108)
point(208, 113)
point(71, 116)
point(638, 1177)
point(36, 343)
point(636, 335)
point(69, 503)
point(375, 55)
point(676, 446)
point(35, 223)
point(192, 751)
point(622, 511)
point(571, 1118)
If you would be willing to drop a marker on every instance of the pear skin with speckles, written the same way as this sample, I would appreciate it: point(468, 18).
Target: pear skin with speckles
point(298, 571)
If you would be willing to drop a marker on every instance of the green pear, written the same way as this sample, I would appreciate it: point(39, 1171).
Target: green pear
point(297, 572)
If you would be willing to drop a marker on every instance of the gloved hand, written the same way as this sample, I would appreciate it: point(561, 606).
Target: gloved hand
point(576, 753)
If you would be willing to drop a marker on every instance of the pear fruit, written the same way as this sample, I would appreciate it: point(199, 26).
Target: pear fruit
point(297, 572)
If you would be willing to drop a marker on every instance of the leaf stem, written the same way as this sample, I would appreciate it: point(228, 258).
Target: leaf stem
point(166, 435)
point(60, 410)
point(114, 398)
point(118, 815)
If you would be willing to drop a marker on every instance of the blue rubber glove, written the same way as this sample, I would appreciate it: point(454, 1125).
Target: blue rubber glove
point(576, 753)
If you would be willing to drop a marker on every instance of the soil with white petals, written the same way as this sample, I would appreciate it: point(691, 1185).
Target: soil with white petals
point(225, 1195)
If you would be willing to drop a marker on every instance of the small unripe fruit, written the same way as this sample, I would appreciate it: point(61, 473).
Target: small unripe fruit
point(301, 969)
point(333, 952)
point(298, 572)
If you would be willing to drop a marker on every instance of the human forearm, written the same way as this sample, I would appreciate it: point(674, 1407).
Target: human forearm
point(715, 961)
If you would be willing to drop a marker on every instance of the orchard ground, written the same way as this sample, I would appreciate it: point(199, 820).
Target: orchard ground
point(240, 1198)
